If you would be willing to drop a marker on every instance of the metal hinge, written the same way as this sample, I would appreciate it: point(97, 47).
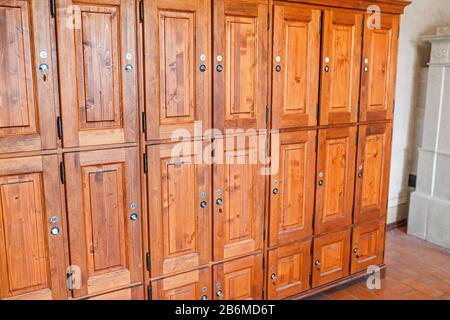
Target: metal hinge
point(264, 261)
point(357, 138)
point(145, 163)
point(320, 24)
point(317, 142)
point(149, 262)
point(358, 108)
point(317, 111)
point(144, 121)
point(62, 172)
point(150, 293)
point(268, 21)
point(267, 116)
point(262, 294)
point(53, 8)
point(70, 280)
point(141, 11)
point(59, 126)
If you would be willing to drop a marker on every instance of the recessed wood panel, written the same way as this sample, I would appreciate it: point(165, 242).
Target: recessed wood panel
point(98, 81)
point(31, 260)
point(239, 279)
point(335, 178)
point(179, 225)
point(289, 270)
point(27, 114)
point(292, 188)
point(367, 245)
point(341, 65)
point(379, 69)
point(296, 54)
point(177, 62)
point(331, 257)
point(238, 211)
point(372, 172)
point(105, 243)
point(194, 285)
point(240, 63)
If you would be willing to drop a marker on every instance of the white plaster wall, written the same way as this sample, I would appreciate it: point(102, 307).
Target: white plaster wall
point(422, 17)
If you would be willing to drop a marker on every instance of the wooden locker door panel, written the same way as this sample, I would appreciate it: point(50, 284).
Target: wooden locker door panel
point(102, 195)
point(32, 261)
point(368, 245)
point(178, 93)
point(194, 285)
point(240, 279)
point(331, 257)
point(296, 65)
point(240, 77)
point(289, 270)
point(372, 172)
point(180, 228)
point(238, 209)
point(342, 58)
point(379, 69)
point(292, 188)
point(27, 109)
point(335, 178)
point(98, 80)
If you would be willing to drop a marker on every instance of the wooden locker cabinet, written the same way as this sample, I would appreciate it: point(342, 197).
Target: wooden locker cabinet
point(335, 176)
point(238, 223)
point(32, 259)
point(27, 106)
point(367, 245)
point(104, 216)
point(240, 279)
point(372, 172)
point(179, 194)
point(289, 270)
point(194, 285)
point(296, 65)
point(178, 68)
point(240, 42)
point(379, 69)
point(331, 257)
point(97, 71)
point(292, 188)
point(341, 65)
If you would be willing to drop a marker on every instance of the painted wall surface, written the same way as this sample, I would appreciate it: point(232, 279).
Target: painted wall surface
point(422, 17)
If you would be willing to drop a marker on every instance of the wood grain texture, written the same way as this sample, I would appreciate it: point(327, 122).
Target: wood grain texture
point(176, 36)
point(295, 84)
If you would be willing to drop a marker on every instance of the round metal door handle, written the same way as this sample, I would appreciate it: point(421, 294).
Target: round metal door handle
point(203, 204)
point(327, 69)
point(320, 182)
point(219, 202)
point(219, 293)
point(366, 69)
point(219, 68)
point(273, 277)
point(128, 68)
point(205, 297)
point(356, 252)
point(360, 175)
point(317, 263)
point(134, 217)
point(54, 231)
point(44, 69)
point(202, 68)
point(278, 68)
point(275, 191)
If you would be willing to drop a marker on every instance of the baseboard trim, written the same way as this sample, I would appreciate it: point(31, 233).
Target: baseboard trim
point(397, 225)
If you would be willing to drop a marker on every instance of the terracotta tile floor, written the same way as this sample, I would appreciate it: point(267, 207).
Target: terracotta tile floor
point(416, 270)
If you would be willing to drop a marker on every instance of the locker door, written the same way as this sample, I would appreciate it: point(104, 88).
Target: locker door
point(194, 285)
point(341, 65)
point(368, 245)
point(289, 270)
point(292, 188)
point(240, 279)
point(296, 65)
point(32, 254)
point(97, 63)
point(372, 172)
point(240, 64)
point(238, 203)
point(179, 192)
point(379, 69)
point(335, 178)
point(27, 107)
point(331, 257)
point(103, 202)
point(178, 67)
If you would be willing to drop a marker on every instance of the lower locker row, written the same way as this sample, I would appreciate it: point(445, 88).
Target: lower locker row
point(291, 269)
point(94, 228)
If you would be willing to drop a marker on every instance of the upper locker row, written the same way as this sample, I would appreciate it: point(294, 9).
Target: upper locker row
point(98, 78)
